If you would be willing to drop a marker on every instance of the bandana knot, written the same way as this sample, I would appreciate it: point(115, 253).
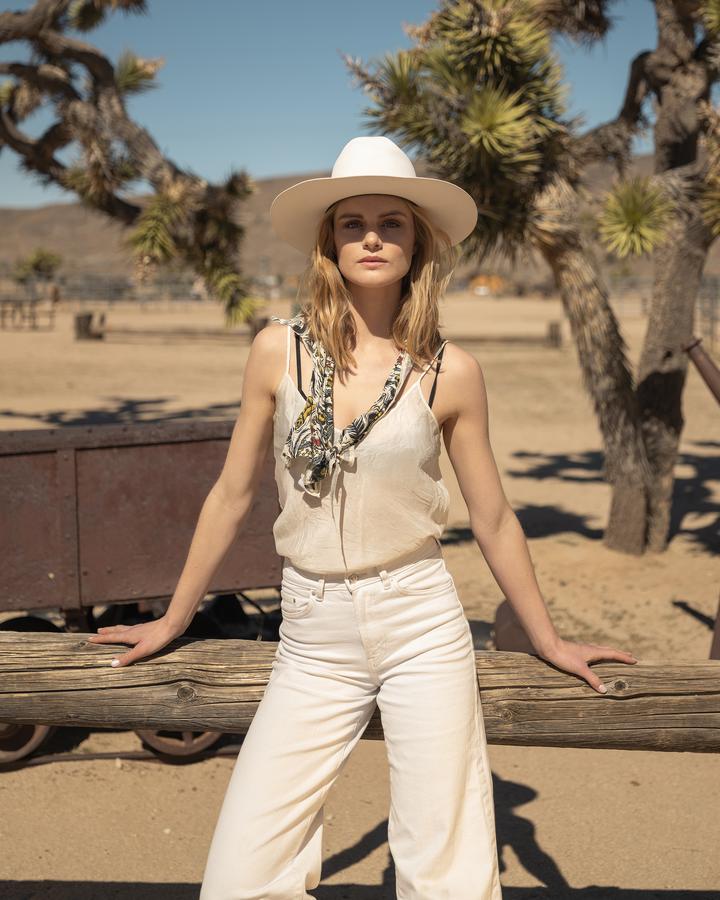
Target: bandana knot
point(312, 435)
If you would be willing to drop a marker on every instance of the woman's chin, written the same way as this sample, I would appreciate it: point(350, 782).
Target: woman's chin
point(373, 278)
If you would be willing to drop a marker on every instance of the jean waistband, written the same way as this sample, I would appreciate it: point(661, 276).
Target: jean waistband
point(431, 547)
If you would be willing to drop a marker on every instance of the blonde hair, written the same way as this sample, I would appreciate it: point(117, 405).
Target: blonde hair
point(415, 327)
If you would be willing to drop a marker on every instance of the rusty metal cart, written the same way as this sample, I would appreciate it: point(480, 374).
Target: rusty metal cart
point(103, 516)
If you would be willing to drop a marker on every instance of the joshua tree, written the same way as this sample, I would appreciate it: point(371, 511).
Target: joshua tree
point(185, 219)
point(480, 95)
point(41, 265)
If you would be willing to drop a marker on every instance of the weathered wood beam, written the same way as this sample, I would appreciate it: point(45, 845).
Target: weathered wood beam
point(215, 685)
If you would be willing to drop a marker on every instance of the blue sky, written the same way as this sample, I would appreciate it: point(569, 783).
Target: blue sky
point(261, 86)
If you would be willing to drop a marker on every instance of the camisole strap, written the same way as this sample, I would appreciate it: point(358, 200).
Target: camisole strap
point(287, 355)
point(437, 356)
point(437, 372)
point(298, 358)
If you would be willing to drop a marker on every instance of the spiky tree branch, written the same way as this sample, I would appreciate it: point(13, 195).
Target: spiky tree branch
point(186, 219)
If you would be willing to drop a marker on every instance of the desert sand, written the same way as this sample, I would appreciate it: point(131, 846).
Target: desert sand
point(571, 823)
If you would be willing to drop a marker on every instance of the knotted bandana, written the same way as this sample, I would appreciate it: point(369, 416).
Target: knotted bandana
point(313, 433)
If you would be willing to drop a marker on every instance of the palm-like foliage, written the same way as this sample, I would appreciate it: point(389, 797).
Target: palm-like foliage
point(710, 16)
point(134, 75)
point(41, 263)
point(84, 15)
point(710, 196)
point(635, 217)
point(152, 238)
point(710, 205)
point(96, 176)
point(482, 95)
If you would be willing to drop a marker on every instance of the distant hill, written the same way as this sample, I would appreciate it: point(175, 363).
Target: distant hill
point(91, 242)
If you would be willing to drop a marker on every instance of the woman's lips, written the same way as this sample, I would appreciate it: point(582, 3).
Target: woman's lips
point(372, 263)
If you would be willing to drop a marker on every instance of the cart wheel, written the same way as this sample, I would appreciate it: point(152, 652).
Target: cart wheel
point(29, 623)
point(185, 745)
point(18, 741)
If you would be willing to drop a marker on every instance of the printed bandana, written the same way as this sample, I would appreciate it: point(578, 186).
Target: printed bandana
point(313, 432)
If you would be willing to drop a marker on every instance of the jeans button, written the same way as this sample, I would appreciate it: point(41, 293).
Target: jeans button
point(353, 578)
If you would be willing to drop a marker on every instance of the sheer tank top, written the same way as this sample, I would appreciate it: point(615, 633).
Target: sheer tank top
point(381, 502)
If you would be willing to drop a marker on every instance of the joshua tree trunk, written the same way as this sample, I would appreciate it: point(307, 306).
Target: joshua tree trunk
point(663, 364)
point(597, 338)
point(640, 426)
point(681, 79)
point(606, 373)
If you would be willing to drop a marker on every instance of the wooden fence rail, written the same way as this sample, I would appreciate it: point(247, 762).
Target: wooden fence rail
point(61, 679)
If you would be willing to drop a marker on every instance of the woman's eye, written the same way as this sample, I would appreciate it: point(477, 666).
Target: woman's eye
point(389, 222)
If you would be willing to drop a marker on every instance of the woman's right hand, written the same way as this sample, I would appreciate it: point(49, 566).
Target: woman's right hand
point(148, 638)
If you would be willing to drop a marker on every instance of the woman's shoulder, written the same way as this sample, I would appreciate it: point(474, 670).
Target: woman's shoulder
point(460, 368)
point(268, 351)
point(457, 358)
point(271, 336)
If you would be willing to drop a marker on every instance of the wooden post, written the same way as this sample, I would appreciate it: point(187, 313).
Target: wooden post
point(705, 365)
point(554, 336)
point(715, 645)
point(216, 685)
point(84, 330)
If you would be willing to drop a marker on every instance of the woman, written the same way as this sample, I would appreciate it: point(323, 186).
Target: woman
point(370, 612)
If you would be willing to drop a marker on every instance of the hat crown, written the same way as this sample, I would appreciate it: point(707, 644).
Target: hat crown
point(372, 155)
point(370, 164)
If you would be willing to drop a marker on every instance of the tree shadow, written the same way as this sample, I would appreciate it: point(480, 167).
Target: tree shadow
point(125, 411)
point(513, 831)
point(691, 494)
point(543, 521)
point(143, 890)
point(585, 467)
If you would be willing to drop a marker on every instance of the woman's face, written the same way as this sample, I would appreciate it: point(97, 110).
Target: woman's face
point(373, 225)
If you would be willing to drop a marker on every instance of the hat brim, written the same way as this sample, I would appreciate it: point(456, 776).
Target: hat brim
point(296, 211)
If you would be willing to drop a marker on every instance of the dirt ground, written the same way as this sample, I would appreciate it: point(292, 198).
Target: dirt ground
point(571, 823)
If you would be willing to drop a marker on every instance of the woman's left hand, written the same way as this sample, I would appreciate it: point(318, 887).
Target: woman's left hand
point(574, 657)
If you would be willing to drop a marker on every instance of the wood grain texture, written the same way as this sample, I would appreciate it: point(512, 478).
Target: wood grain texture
point(207, 684)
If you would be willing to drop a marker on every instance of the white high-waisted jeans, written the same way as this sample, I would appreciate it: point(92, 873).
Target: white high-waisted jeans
point(399, 637)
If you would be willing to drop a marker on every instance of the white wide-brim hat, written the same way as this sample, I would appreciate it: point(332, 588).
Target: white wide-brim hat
point(370, 165)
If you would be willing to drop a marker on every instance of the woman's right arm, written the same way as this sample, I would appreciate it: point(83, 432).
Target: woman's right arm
point(226, 506)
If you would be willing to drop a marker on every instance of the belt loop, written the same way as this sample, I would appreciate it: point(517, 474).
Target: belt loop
point(385, 579)
point(321, 595)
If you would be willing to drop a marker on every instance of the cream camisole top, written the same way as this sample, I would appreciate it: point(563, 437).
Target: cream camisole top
point(381, 501)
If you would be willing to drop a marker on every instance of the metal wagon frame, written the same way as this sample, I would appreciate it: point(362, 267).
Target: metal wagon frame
point(103, 515)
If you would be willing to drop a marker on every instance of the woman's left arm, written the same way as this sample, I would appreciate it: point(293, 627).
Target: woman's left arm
point(493, 522)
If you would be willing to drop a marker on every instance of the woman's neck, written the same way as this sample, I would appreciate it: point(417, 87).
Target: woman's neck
point(374, 311)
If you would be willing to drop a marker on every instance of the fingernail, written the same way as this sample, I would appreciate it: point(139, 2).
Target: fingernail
point(115, 662)
point(602, 689)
